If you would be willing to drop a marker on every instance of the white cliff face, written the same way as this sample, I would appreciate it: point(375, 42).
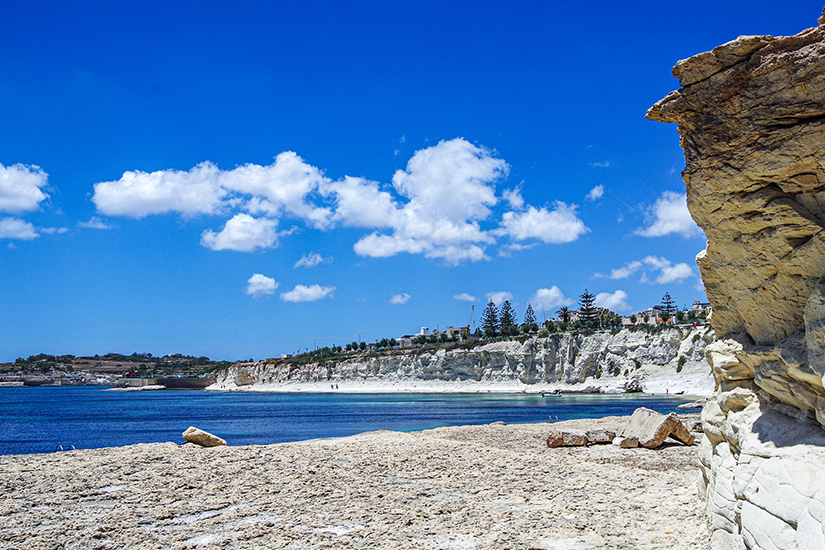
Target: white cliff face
point(751, 120)
point(628, 360)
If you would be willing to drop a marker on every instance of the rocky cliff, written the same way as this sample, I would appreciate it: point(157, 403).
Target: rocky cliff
point(626, 360)
point(751, 117)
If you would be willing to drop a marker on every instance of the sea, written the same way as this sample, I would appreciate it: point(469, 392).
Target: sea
point(54, 419)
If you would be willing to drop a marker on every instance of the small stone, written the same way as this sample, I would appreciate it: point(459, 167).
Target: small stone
point(565, 438)
point(202, 438)
point(626, 442)
point(599, 436)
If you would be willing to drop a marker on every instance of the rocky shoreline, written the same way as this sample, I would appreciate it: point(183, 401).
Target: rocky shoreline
point(491, 486)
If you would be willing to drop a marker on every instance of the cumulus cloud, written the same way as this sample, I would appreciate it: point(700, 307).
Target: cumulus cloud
point(17, 229)
point(548, 299)
point(514, 198)
point(667, 271)
point(596, 193)
point(498, 297)
point(138, 194)
point(21, 188)
point(440, 206)
point(560, 225)
point(464, 297)
point(260, 286)
point(94, 223)
point(670, 215)
point(616, 301)
point(243, 233)
point(311, 293)
point(311, 260)
point(399, 299)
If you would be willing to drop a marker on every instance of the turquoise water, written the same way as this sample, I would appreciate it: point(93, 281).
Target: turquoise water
point(38, 419)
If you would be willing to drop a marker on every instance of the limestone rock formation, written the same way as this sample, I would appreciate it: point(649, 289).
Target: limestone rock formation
point(751, 117)
point(630, 360)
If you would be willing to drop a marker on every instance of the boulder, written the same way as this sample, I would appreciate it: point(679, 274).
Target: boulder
point(652, 428)
point(202, 438)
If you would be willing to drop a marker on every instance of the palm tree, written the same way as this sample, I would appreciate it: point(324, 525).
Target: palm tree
point(564, 313)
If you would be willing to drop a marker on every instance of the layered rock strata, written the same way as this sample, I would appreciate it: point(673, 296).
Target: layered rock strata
point(627, 360)
point(751, 117)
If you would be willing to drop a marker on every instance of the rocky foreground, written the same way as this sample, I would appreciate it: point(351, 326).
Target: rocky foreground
point(491, 486)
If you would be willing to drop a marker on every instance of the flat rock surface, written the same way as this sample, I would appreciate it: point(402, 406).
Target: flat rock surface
point(492, 487)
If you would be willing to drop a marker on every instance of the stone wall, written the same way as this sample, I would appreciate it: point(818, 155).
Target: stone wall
point(751, 117)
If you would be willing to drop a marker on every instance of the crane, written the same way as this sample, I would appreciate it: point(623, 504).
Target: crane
point(469, 322)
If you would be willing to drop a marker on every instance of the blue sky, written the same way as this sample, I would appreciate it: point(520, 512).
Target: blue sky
point(249, 179)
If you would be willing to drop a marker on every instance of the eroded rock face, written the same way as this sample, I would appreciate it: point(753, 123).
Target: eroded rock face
point(751, 116)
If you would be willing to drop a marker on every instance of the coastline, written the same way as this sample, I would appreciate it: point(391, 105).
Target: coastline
point(688, 385)
point(490, 486)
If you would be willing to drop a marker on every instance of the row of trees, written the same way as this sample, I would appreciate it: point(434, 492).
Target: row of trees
point(502, 322)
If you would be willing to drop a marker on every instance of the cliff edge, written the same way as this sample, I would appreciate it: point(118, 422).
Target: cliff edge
point(670, 359)
point(751, 117)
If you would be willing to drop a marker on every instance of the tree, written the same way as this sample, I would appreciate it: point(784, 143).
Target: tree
point(507, 319)
point(633, 319)
point(530, 324)
point(564, 314)
point(588, 312)
point(668, 306)
point(489, 320)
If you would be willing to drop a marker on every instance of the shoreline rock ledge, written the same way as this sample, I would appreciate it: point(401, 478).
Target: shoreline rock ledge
point(751, 117)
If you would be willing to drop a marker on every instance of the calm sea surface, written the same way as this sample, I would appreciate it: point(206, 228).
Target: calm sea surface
point(37, 419)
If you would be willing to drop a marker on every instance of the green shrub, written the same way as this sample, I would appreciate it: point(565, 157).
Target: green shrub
point(598, 374)
point(626, 372)
point(681, 363)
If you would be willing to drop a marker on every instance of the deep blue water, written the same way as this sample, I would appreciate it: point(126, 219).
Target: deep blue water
point(37, 419)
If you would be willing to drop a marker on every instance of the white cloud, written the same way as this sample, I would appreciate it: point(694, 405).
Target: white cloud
point(311, 293)
point(138, 194)
point(668, 215)
point(285, 184)
point(596, 193)
point(560, 225)
point(20, 188)
point(667, 271)
point(548, 299)
point(260, 286)
point(94, 223)
point(242, 233)
point(399, 299)
point(514, 198)
point(603, 164)
point(17, 229)
point(360, 203)
point(311, 260)
point(498, 297)
point(617, 301)
point(53, 230)
point(464, 297)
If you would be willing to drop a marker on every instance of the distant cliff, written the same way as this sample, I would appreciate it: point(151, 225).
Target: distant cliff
point(629, 360)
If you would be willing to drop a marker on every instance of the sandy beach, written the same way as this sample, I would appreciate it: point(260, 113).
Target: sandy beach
point(491, 486)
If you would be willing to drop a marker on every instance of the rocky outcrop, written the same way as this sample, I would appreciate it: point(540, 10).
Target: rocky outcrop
point(751, 116)
point(624, 361)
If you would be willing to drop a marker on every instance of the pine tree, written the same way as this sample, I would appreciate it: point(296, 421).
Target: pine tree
point(588, 312)
point(489, 320)
point(530, 320)
point(507, 319)
point(668, 309)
